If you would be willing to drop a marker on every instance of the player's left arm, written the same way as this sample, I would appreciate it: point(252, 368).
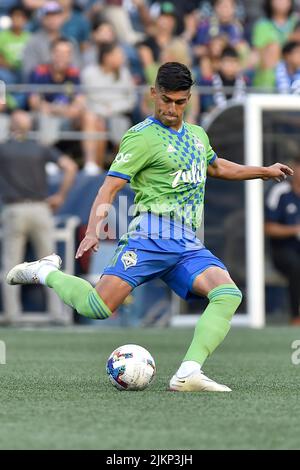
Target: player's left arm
point(227, 170)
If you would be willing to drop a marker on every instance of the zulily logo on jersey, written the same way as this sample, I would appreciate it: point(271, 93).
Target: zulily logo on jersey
point(194, 175)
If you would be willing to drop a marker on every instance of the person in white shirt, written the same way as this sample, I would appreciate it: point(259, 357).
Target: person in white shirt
point(110, 97)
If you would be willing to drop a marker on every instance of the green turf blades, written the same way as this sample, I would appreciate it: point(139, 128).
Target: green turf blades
point(54, 386)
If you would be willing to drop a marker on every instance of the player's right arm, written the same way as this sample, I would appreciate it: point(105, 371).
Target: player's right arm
point(132, 157)
point(105, 197)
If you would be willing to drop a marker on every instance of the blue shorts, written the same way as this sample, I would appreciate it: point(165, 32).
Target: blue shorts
point(157, 247)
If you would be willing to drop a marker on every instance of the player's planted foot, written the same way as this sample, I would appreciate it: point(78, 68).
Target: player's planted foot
point(196, 382)
point(35, 272)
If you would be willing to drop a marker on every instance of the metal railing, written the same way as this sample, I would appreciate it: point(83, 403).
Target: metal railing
point(70, 90)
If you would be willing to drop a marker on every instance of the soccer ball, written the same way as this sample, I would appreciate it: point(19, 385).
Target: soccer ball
point(130, 367)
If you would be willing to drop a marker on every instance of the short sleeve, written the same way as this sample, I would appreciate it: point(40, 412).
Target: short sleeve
point(210, 153)
point(133, 156)
point(51, 154)
point(264, 34)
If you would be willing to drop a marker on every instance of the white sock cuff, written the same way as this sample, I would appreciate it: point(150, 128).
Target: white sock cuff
point(44, 271)
point(187, 368)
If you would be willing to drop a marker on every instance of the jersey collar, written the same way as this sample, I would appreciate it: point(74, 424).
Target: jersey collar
point(180, 133)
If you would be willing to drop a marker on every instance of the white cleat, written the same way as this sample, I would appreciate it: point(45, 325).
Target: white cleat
point(28, 273)
point(196, 382)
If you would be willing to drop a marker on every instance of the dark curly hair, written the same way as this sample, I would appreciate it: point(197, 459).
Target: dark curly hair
point(269, 10)
point(173, 76)
point(290, 47)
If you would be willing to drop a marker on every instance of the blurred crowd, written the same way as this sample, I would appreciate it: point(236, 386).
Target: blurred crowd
point(101, 50)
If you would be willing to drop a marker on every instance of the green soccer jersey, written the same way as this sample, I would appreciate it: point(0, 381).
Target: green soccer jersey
point(166, 169)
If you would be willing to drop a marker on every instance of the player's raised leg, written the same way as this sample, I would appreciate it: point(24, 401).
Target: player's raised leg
point(211, 329)
point(97, 303)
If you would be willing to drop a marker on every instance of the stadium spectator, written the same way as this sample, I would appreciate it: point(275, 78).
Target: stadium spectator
point(33, 4)
point(160, 35)
point(26, 209)
point(295, 35)
point(288, 70)
point(222, 22)
point(210, 63)
point(282, 225)
point(116, 13)
point(103, 32)
point(269, 35)
point(76, 25)
point(113, 102)
point(38, 48)
point(61, 110)
point(229, 75)
point(139, 14)
point(12, 43)
point(184, 12)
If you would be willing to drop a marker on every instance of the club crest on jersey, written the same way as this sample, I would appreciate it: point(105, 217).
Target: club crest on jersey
point(198, 144)
point(129, 259)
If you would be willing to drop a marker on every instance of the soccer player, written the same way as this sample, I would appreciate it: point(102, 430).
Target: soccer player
point(166, 161)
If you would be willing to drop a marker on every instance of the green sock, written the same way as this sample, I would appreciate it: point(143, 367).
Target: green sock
point(79, 294)
point(214, 323)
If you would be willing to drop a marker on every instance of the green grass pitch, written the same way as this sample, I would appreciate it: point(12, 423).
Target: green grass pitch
point(55, 394)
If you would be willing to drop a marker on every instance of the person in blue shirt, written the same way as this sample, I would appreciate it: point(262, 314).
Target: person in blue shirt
point(58, 71)
point(288, 70)
point(75, 26)
point(223, 21)
point(229, 74)
point(282, 225)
